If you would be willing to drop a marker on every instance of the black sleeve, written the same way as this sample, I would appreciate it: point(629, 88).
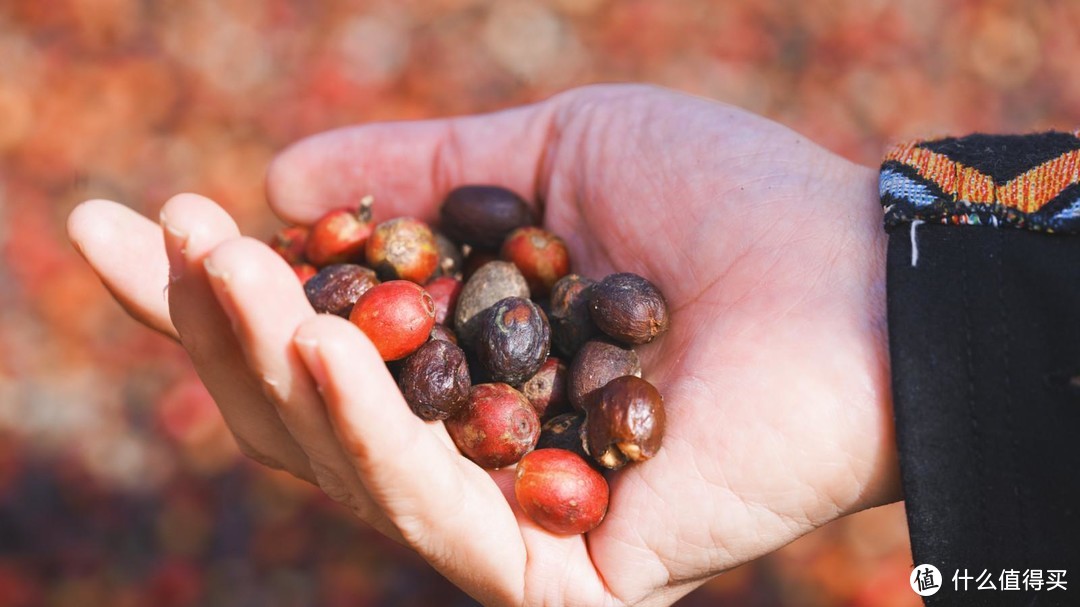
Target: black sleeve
point(984, 330)
point(985, 344)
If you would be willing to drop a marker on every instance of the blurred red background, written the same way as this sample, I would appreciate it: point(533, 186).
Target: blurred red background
point(119, 484)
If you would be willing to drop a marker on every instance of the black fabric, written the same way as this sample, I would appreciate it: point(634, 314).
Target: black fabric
point(985, 345)
point(1004, 157)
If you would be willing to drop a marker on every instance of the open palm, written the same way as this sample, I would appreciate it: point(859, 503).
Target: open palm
point(774, 372)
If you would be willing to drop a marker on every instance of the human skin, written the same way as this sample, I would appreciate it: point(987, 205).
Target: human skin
point(775, 371)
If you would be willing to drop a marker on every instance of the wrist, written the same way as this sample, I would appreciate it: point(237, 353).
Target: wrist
point(874, 455)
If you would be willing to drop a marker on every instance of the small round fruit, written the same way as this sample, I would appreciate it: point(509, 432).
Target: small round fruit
point(598, 362)
point(442, 332)
point(397, 317)
point(403, 249)
point(445, 290)
point(451, 259)
point(541, 256)
point(435, 380)
point(626, 423)
point(290, 242)
point(496, 427)
point(476, 259)
point(566, 431)
point(335, 289)
point(546, 389)
point(339, 236)
point(514, 340)
point(494, 281)
point(304, 272)
point(483, 215)
point(560, 492)
point(628, 308)
point(571, 322)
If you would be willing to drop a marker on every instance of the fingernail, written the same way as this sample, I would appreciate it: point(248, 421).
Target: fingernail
point(308, 348)
point(214, 272)
point(219, 280)
point(176, 242)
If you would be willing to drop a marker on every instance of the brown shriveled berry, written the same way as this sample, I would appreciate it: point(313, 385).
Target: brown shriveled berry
point(514, 340)
point(445, 290)
point(626, 423)
point(560, 492)
point(290, 242)
point(336, 288)
point(451, 259)
point(566, 431)
point(442, 332)
point(435, 380)
point(397, 317)
point(541, 256)
point(483, 215)
point(628, 308)
point(339, 236)
point(496, 280)
point(546, 389)
point(496, 427)
point(304, 272)
point(598, 362)
point(402, 249)
point(571, 322)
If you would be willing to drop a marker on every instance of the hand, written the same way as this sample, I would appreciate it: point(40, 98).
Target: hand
point(775, 370)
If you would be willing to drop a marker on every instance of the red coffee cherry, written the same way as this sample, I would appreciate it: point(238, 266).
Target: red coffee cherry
point(546, 389)
point(340, 235)
point(497, 426)
point(290, 242)
point(541, 256)
point(560, 491)
point(397, 317)
point(403, 249)
point(445, 291)
point(304, 272)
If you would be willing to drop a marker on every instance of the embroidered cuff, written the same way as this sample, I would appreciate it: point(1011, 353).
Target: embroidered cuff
point(1030, 182)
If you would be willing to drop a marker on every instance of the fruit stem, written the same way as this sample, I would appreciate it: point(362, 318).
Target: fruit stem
point(364, 210)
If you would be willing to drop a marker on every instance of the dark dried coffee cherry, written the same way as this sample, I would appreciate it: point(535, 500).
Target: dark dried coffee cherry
point(598, 362)
point(335, 288)
point(571, 321)
point(514, 340)
point(483, 215)
point(628, 308)
point(435, 380)
point(495, 281)
point(626, 424)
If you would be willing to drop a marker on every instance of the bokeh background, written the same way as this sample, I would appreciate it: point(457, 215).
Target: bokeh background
point(119, 485)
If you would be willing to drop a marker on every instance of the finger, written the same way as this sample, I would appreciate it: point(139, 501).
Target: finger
point(446, 507)
point(265, 303)
point(193, 226)
point(125, 250)
point(409, 166)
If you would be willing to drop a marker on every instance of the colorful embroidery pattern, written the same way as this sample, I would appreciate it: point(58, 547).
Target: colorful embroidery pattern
point(1030, 182)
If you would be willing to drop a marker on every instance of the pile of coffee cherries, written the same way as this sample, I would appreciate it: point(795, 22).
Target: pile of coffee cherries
point(478, 321)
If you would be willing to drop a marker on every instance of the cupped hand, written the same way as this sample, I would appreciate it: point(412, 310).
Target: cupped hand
point(774, 372)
